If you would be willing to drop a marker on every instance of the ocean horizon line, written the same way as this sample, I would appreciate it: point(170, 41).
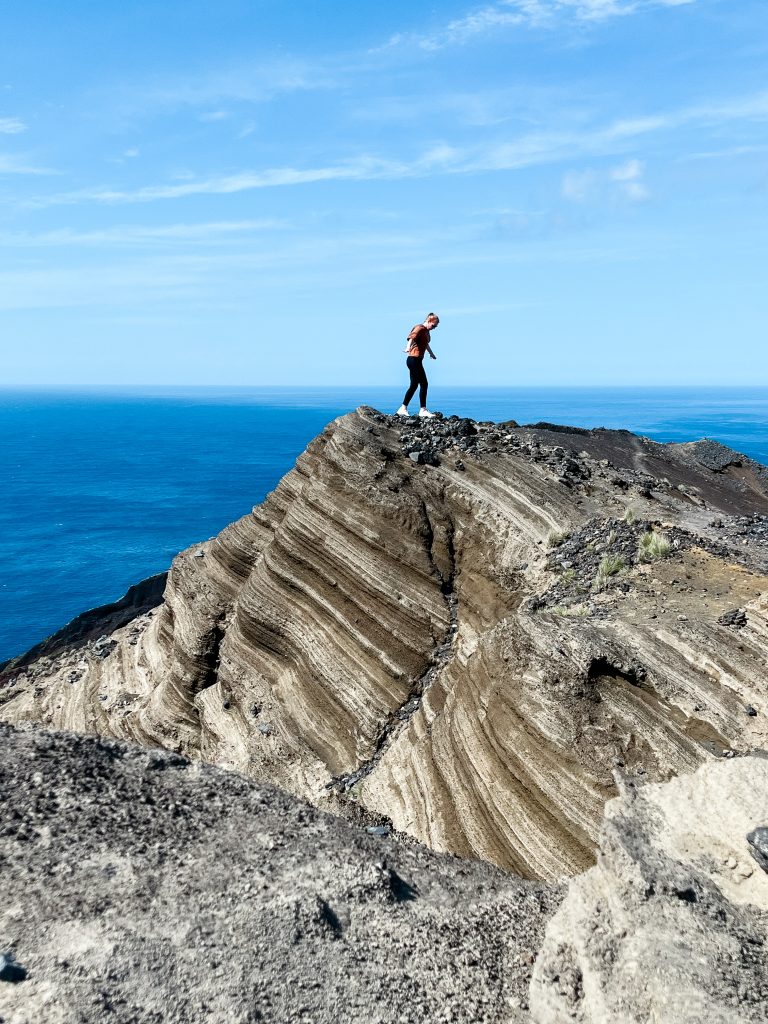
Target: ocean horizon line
point(437, 387)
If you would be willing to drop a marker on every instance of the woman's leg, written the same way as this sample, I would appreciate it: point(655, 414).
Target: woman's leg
point(416, 370)
point(423, 385)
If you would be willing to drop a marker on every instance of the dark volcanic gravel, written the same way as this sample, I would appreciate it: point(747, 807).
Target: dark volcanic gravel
point(577, 557)
point(140, 888)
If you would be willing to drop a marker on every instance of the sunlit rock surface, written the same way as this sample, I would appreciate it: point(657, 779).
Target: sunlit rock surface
point(672, 923)
point(141, 886)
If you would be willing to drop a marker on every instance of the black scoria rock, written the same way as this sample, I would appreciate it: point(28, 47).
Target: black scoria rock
point(10, 970)
point(735, 617)
point(758, 846)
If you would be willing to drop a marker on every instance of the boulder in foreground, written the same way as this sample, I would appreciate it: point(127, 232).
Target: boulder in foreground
point(671, 926)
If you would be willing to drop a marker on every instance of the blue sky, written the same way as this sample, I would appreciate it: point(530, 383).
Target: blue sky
point(269, 193)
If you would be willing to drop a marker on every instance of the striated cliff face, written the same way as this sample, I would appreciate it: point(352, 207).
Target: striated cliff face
point(462, 627)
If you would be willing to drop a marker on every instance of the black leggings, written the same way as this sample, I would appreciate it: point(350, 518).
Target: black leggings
point(418, 380)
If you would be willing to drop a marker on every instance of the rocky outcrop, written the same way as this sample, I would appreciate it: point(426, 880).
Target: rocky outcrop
point(138, 886)
point(672, 924)
point(462, 627)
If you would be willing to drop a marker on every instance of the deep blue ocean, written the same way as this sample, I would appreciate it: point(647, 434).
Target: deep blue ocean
point(102, 488)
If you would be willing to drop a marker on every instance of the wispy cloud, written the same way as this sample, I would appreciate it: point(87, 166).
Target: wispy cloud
point(210, 89)
point(135, 234)
point(364, 167)
point(528, 150)
point(10, 164)
point(11, 126)
point(629, 179)
point(727, 152)
point(624, 181)
point(523, 13)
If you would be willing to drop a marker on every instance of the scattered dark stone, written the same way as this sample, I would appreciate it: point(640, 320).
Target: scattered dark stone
point(103, 647)
point(715, 456)
point(10, 970)
point(750, 710)
point(687, 895)
point(632, 671)
point(465, 428)
point(460, 465)
point(758, 845)
point(124, 699)
point(557, 428)
point(736, 617)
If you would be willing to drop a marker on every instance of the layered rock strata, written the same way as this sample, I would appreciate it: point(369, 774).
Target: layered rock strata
point(463, 627)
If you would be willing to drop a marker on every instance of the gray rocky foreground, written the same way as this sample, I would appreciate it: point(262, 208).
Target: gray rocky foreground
point(139, 887)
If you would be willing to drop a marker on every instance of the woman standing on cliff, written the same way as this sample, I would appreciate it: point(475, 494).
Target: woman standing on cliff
point(418, 344)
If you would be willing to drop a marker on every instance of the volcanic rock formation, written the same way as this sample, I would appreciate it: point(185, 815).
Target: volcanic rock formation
point(462, 627)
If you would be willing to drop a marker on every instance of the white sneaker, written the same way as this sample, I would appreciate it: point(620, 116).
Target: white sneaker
point(425, 414)
point(402, 411)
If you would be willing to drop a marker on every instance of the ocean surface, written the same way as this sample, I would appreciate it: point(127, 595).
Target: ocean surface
point(102, 488)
